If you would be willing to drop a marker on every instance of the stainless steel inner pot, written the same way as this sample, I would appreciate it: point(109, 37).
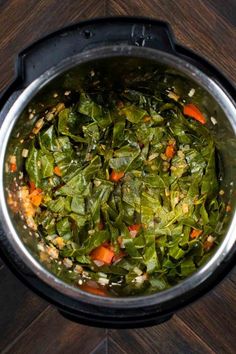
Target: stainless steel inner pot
point(120, 65)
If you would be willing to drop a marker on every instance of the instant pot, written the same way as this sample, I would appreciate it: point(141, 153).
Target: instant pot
point(113, 52)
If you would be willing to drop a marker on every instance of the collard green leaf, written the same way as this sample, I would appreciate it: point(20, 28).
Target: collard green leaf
point(33, 165)
point(94, 111)
point(69, 124)
point(118, 132)
point(75, 186)
point(79, 219)
point(158, 282)
point(78, 205)
point(57, 205)
point(209, 184)
point(150, 256)
point(48, 140)
point(68, 163)
point(187, 267)
point(64, 228)
point(133, 113)
point(47, 165)
point(95, 240)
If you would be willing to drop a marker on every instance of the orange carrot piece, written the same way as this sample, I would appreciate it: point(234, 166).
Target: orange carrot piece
point(192, 111)
point(57, 171)
point(116, 176)
point(36, 200)
point(36, 197)
point(170, 151)
point(103, 254)
point(13, 167)
point(134, 229)
point(95, 291)
point(36, 192)
point(195, 233)
point(32, 187)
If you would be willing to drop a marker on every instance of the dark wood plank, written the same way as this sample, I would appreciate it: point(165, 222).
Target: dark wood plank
point(24, 21)
point(228, 11)
point(195, 23)
point(102, 348)
point(51, 333)
point(170, 337)
point(18, 307)
point(114, 348)
point(232, 275)
point(213, 318)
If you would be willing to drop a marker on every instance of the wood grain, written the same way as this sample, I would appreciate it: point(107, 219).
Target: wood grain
point(171, 337)
point(25, 21)
point(197, 24)
point(214, 314)
point(51, 333)
point(102, 347)
point(18, 307)
point(27, 323)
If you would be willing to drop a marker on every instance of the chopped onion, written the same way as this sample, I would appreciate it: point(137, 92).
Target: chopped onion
point(98, 263)
point(137, 271)
point(213, 120)
point(191, 92)
point(25, 152)
point(103, 281)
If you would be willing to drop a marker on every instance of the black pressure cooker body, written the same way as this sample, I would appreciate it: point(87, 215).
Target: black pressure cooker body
point(123, 37)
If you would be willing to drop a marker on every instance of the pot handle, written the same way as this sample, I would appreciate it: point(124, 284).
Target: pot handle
point(49, 51)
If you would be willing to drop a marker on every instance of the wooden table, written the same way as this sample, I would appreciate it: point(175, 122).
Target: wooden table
point(27, 323)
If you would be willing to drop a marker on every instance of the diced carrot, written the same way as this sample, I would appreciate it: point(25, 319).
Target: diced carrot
point(13, 167)
point(36, 197)
point(36, 192)
point(170, 151)
point(32, 187)
point(134, 229)
point(102, 254)
point(195, 233)
point(36, 200)
point(57, 171)
point(116, 176)
point(95, 291)
point(192, 111)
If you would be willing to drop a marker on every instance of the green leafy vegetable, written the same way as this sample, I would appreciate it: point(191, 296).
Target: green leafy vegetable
point(116, 207)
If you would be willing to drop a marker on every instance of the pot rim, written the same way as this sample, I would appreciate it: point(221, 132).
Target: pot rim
point(220, 95)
